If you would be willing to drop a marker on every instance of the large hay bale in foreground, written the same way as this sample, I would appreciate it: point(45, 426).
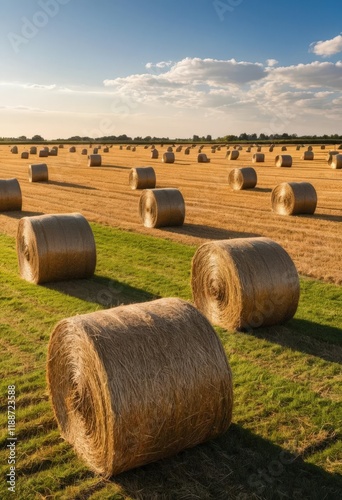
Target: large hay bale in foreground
point(244, 283)
point(168, 157)
point(307, 155)
point(94, 160)
point(294, 198)
point(242, 178)
point(10, 195)
point(335, 161)
point(55, 248)
point(162, 207)
point(258, 158)
point(138, 383)
point(38, 173)
point(142, 178)
point(283, 161)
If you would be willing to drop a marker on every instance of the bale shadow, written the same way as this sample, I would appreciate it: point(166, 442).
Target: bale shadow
point(238, 465)
point(20, 214)
point(101, 290)
point(71, 185)
point(207, 232)
point(261, 190)
point(121, 167)
point(305, 336)
point(332, 218)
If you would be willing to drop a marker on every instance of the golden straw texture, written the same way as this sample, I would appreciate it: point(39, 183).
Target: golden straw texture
point(244, 283)
point(138, 383)
point(293, 198)
point(142, 178)
point(242, 178)
point(94, 160)
point(55, 248)
point(283, 161)
point(162, 207)
point(38, 173)
point(168, 157)
point(258, 158)
point(10, 195)
point(335, 161)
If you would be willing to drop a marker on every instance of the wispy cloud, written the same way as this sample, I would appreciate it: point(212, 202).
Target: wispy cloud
point(327, 48)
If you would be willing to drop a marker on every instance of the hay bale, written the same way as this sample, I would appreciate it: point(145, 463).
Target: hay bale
point(133, 149)
point(307, 155)
point(95, 151)
point(33, 150)
point(202, 158)
point(55, 147)
point(146, 146)
point(162, 207)
point(244, 283)
point(24, 155)
point(187, 151)
point(234, 155)
point(10, 195)
point(154, 154)
point(218, 148)
point(120, 147)
point(55, 247)
point(258, 158)
point(142, 178)
point(53, 152)
point(46, 148)
point(330, 155)
point(169, 149)
point(38, 173)
point(283, 161)
point(298, 148)
point(168, 157)
point(309, 148)
point(336, 161)
point(94, 160)
point(179, 149)
point(128, 148)
point(284, 148)
point(248, 150)
point(242, 178)
point(61, 146)
point(213, 150)
point(270, 149)
point(84, 151)
point(106, 150)
point(138, 383)
point(14, 150)
point(72, 149)
point(43, 153)
point(322, 146)
point(293, 198)
point(259, 149)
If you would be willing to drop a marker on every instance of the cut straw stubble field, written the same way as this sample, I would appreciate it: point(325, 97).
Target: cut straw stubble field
point(103, 195)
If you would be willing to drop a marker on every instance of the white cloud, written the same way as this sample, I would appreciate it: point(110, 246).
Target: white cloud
point(271, 62)
point(160, 65)
point(327, 48)
point(314, 75)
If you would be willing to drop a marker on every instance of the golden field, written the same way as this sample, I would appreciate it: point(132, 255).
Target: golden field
point(213, 210)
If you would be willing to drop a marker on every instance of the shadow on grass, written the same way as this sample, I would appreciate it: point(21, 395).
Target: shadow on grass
point(71, 185)
point(22, 213)
point(305, 336)
point(207, 232)
point(102, 290)
point(239, 465)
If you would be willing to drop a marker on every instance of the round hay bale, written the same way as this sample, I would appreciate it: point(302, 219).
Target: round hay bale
point(106, 150)
point(284, 148)
point(202, 158)
point(84, 151)
point(146, 146)
point(14, 150)
point(33, 150)
point(187, 151)
point(242, 178)
point(293, 198)
point(258, 158)
point(72, 149)
point(322, 146)
point(168, 157)
point(259, 149)
point(218, 148)
point(54, 147)
point(38, 173)
point(179, 149)
point(169, 149)
point(128, 148)
point(61, 146)
point(95, 151)
point(234, 155)
point(248, 150)
point(138, 383)
point(244, 283)
point(24, 155)
point(239, 148)
point(162, 207)
point(55, 247)
point(307, 155)
point(154, 154)
point(309, 148)
point(10, 195)
point(298, 148)
point(120, 147)
point(330, 155)
point(336, 161)
point(283, 161)
point(94, 160)
point(142, 178)
point(46, 148)
point(270, 149)
point(43, 153)
point(213, 150)
point(53, 152)
point(133, 149)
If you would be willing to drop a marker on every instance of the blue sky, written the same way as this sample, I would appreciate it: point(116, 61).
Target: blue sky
point(169, 68)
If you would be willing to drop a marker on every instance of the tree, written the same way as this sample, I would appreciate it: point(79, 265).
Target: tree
point(37, 138)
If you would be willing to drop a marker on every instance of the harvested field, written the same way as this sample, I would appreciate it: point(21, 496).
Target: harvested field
point(103, 195)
